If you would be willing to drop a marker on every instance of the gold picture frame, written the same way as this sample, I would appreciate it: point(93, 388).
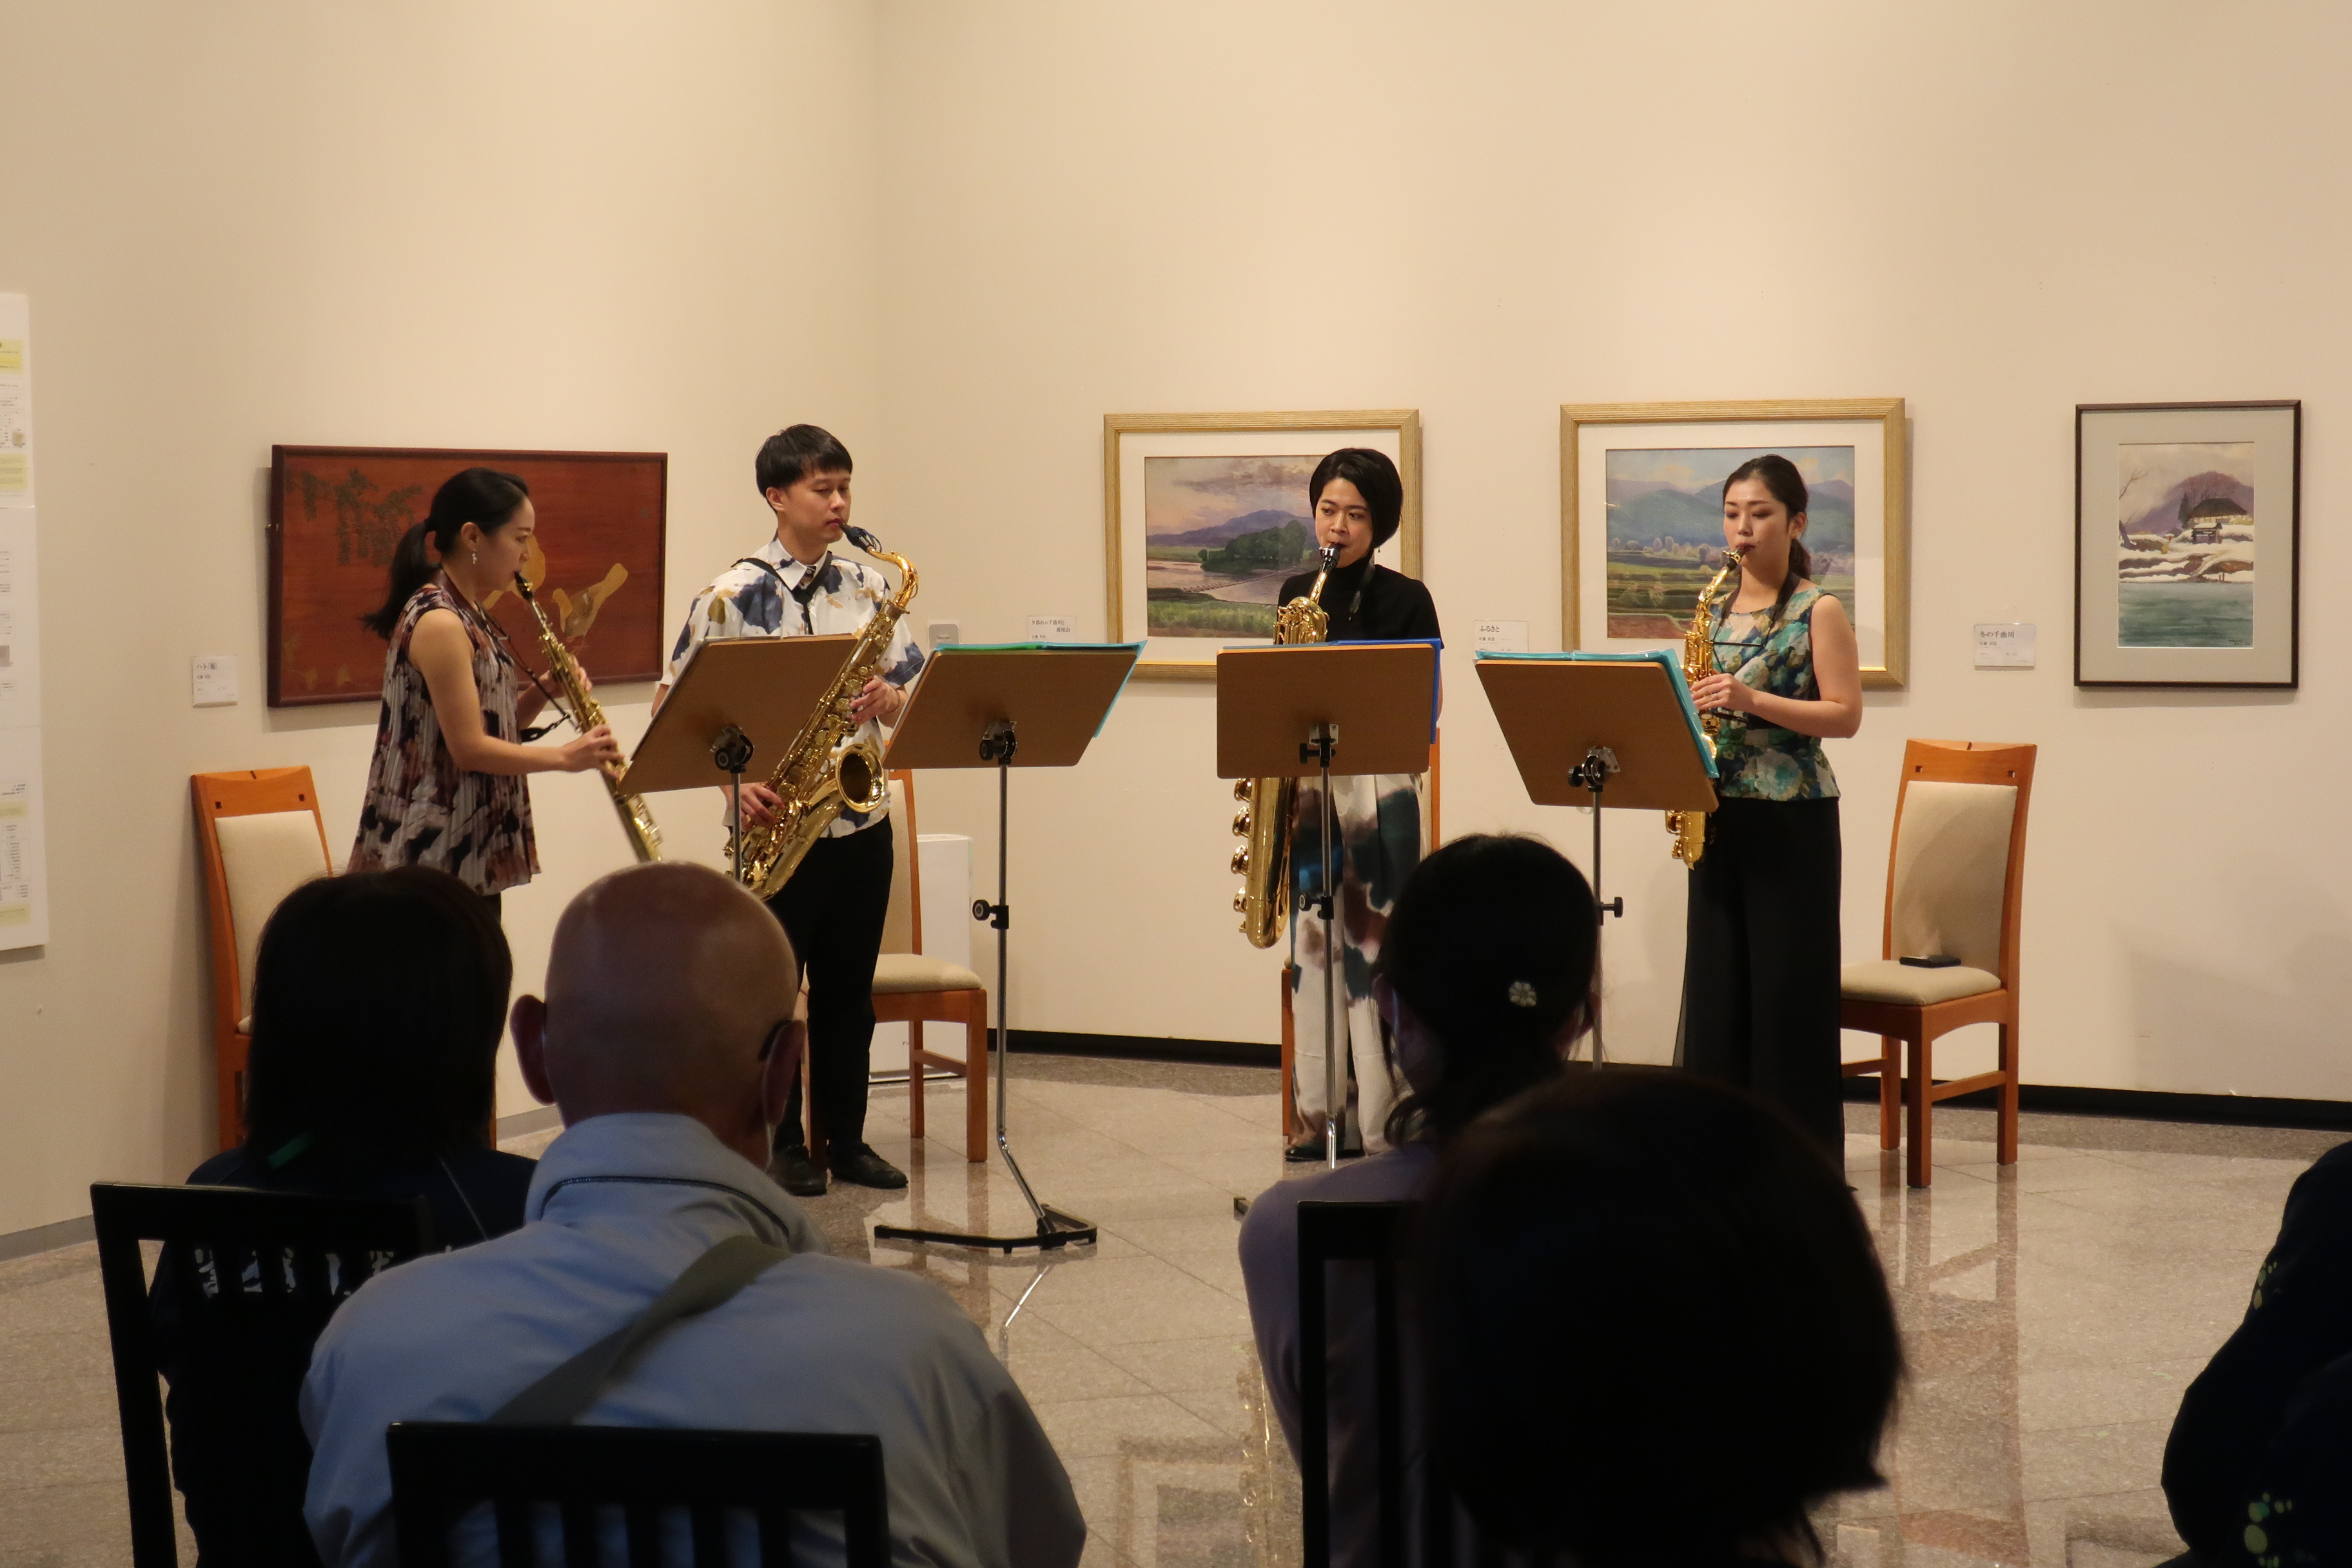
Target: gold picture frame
point(1225, 448)
point(1875, 510)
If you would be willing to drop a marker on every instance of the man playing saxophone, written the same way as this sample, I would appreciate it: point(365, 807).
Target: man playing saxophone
point(801, 583)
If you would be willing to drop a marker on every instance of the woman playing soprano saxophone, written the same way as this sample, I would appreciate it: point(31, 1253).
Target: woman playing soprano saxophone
point(1761, 970)
point(1358, 500)
point(446, 787)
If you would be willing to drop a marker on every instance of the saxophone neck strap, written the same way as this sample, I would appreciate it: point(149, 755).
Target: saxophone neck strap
point(810, 578)
point(563, 1395)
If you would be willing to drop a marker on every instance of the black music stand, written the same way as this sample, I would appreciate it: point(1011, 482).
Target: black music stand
point(1279, 714)
point(972, 705)
point(1581, 723)
point(737, 698)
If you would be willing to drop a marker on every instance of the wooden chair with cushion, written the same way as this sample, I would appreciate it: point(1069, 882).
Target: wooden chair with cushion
point(1955, 886)
point(911, 989)
point(262, 837)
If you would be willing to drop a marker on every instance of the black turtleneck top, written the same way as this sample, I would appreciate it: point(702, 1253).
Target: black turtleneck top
point(1369, 603)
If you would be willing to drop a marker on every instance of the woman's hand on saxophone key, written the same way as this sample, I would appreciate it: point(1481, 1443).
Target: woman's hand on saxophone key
point(593, 750)
point(1719, 693)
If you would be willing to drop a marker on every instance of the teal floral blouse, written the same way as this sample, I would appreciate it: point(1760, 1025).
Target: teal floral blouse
point(1760, 761)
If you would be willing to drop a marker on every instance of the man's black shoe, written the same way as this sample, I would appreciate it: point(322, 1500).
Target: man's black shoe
point(868, 1169)
point(795, 1173)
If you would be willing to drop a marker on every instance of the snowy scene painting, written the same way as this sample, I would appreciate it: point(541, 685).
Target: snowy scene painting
point(2185, 515)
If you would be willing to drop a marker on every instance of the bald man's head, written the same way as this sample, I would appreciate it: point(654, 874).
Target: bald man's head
point(663, 984)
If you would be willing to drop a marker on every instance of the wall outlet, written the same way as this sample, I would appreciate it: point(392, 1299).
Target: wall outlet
point(944, 633)
point(213, 676)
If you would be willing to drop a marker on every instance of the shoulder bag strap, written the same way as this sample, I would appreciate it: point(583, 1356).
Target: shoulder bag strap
point(563, 1395)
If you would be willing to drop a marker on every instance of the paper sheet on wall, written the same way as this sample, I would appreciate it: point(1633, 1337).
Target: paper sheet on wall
point(16, 403)
point(24, 861)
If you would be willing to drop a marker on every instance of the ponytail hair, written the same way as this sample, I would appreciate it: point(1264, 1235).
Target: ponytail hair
point(483, 497)
point(1780, 476)
point(1491, 945)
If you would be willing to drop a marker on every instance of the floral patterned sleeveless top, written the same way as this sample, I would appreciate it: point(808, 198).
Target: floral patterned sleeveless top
point(1770, 653)
point(421, 809)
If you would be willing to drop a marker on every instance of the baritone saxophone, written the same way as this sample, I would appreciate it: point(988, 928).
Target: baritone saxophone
point(587, 713)
point(1263, 824)
point(829, 767)
point(1689, 828)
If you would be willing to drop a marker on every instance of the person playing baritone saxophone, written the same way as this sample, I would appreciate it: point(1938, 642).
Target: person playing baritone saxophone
point(832, 908)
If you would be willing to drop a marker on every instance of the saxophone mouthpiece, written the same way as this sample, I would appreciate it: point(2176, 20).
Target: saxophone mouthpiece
point(523, 586)
point(1330, 554)
point(860, 538)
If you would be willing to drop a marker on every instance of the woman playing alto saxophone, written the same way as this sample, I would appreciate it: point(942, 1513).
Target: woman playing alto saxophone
point(1760, 973)
point(1358, 500)
point(446, 787)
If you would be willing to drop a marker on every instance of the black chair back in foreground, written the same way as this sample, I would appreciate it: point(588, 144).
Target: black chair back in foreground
point(1371, 1233)
point(575, 1479)
point(243, 1283)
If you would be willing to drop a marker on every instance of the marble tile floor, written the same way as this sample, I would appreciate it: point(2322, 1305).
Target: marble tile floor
point(2052, 1312)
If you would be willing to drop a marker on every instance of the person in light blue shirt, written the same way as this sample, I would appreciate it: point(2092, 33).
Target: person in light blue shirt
point(667, 1039)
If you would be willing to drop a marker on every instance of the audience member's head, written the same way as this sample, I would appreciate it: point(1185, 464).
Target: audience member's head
point(1655, 1325)
point(1485, 978)
point(669, 988)
point(378, 1000)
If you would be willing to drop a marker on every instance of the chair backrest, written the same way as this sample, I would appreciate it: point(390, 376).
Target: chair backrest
point(902, 926)
point(263, 836)
point(1956, 874)
point(243, 1283)
point(1350, 1233)
point(708, 1487)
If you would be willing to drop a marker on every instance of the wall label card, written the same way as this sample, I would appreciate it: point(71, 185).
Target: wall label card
point(1053, 628)
point(1502, 637)
point(2005, 645)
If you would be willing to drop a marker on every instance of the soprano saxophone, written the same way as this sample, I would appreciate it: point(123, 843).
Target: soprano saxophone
point(1689, 828)
point(1263, 824)
point(829, 767)
point(645, 838)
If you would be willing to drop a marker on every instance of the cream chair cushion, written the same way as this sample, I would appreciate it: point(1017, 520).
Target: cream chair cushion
point(264, 857)
point(1889, 980)
point(1951, 867)
point(898, 971)
point(898, 921)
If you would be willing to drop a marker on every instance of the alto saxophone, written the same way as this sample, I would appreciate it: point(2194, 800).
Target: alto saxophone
point(1689, 828)
point(645, 838)
point(1263, 824)
point(829, 767)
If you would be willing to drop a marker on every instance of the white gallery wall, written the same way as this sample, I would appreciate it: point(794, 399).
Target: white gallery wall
point(960, 234)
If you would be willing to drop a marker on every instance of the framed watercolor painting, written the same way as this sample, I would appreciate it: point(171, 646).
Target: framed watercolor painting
point(1642, 515)
point(1205, 514)
point(2188, 543)
point(336, 513)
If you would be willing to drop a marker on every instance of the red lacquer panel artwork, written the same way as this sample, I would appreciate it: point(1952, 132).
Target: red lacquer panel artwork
point(336, 513)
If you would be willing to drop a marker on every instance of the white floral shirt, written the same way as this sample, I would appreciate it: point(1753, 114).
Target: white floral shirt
point(764, 601)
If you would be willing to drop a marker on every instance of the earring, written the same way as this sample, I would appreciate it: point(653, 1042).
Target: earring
point(474, 556)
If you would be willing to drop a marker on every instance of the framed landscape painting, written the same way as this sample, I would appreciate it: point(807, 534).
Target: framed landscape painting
point(1642, 516)
point(337, 513)
point(1205, 514)
point(2188, 543)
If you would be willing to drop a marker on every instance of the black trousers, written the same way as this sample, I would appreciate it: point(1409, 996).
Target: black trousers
point(1760, 968)
point(833, 910)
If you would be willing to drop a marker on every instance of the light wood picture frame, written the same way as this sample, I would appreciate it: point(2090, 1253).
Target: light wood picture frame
point(1219, 487)
point(2188, 544)
point(1645, 467)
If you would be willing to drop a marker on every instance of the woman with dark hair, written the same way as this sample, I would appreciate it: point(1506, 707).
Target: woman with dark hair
point(446, 787)
point(1486, 981)
point(379, 999)
point(1653, 1327)
point(1358, 500)
point(1761, 961)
